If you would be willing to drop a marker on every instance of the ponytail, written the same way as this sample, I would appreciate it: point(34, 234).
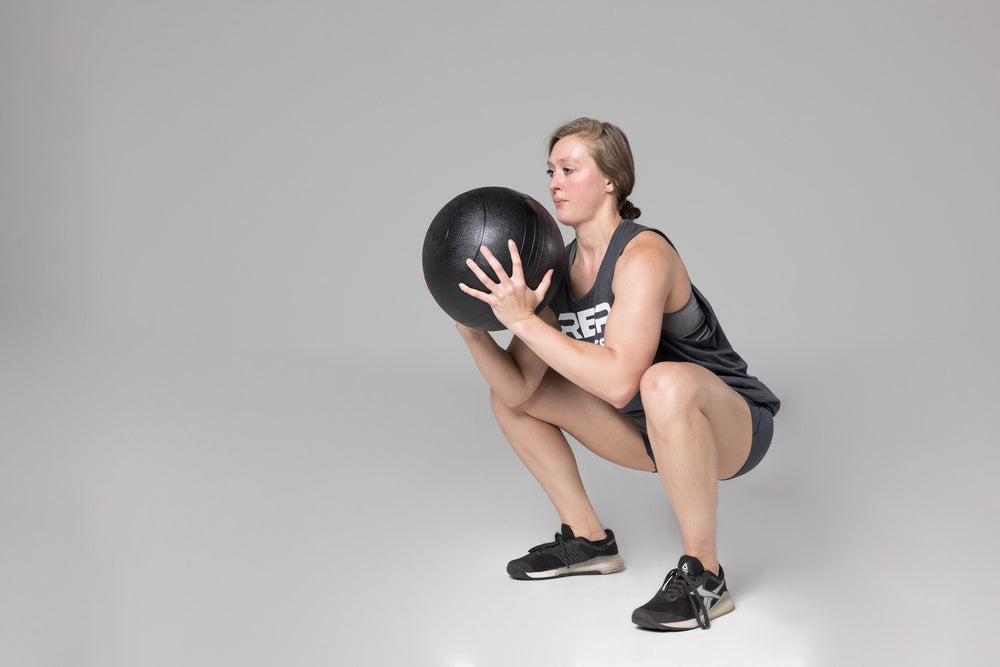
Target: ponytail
point(629, 211)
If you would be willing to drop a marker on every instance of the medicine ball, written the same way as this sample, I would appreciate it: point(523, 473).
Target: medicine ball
point(488, 216)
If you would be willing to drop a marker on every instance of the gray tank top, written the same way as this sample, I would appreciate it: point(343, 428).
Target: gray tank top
point(691, 334)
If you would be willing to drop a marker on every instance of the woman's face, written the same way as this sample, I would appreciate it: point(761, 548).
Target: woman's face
point(579, 189)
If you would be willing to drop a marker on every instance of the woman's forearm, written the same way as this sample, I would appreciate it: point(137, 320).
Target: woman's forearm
point(595, 368)
point(500, 368)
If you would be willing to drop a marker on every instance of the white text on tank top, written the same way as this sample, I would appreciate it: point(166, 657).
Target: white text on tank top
point(587, 324)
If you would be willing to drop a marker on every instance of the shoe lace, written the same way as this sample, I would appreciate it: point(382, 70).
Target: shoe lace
point(559, 542)
point(678, 584)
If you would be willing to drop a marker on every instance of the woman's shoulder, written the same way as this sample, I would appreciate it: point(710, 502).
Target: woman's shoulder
point(649, 258)
point(630, 230)
point(640, 241)
point(644, 254)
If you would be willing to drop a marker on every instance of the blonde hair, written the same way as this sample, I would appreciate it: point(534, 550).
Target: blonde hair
point(611, 151)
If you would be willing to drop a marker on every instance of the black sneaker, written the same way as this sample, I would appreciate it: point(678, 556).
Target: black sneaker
point(689, 598)
point(568, 555)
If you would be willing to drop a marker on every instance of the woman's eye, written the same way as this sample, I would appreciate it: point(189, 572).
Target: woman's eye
point(567, 171)
point(549, 172)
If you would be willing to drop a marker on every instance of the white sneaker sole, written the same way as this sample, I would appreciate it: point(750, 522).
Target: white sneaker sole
point(599, 565)
point(723, 606)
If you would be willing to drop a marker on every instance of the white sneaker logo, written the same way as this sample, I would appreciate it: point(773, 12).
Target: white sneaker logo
point(709, 597)
point(684, 568)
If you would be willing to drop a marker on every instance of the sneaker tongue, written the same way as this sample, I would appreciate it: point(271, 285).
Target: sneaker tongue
point(567, 532)
point(690, 566)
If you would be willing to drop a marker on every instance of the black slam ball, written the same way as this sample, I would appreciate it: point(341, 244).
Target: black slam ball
point(488, 217)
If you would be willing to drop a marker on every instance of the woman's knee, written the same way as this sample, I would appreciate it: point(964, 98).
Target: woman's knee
point(555, 400)
point(671, 386)
point(505, 409)
point(502, 408)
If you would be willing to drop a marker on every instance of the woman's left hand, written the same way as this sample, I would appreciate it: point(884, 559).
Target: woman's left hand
point(509, 296)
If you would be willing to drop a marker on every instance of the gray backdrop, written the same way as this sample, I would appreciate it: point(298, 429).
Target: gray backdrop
point(234, 429)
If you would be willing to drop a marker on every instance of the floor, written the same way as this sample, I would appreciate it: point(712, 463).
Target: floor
point(165, 505)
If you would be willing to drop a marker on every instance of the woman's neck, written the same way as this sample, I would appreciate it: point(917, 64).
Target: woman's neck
point(593, 238)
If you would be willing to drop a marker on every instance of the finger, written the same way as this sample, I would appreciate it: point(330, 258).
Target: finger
point(479, 294)
point(494, 262)
point(543, 286)
point(516, 270)
point(479, 273)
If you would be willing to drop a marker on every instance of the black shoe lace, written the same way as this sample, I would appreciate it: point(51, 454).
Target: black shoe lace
point(678, 584)
point(559, 542)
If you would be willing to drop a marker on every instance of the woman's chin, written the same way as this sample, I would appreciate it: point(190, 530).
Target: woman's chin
point(568, 221)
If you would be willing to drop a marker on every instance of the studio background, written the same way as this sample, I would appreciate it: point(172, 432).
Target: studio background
point(235, 429)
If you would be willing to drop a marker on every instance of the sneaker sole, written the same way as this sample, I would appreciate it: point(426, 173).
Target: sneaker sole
point(648, 620)
point(599, 565)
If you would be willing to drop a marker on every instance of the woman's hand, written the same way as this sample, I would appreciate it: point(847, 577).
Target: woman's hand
point(510, 297)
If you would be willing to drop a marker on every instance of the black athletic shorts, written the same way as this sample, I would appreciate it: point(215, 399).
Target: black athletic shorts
point(763, 431)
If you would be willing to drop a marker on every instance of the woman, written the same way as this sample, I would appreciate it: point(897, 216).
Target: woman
point(661, 390)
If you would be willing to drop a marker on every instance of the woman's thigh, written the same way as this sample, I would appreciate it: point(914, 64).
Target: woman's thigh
point(677, 390)
point(595, 423)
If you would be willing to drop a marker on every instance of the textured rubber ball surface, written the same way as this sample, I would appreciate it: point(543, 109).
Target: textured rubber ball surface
point(488, 216)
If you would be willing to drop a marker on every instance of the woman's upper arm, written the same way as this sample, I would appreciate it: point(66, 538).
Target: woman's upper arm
point(645, 274)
